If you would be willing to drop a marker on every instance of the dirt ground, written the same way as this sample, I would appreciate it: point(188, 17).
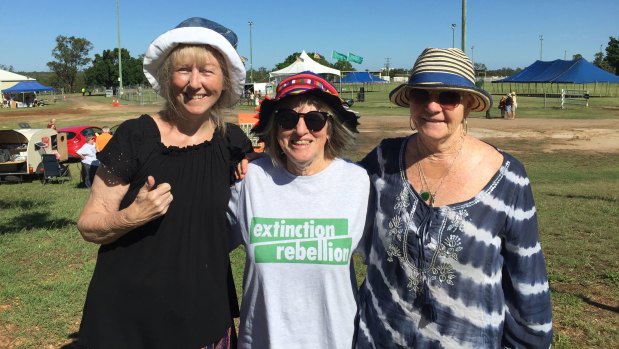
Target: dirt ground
point(583, 135)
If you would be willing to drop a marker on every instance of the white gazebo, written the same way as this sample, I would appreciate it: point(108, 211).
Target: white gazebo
point(304, 63)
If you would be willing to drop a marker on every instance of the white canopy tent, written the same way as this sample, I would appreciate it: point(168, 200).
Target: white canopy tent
point(9, 79)
point(304, 63)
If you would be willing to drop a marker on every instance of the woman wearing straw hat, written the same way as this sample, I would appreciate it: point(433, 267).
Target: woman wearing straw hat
point(455, 260)
point(158, 202)
point(301, 213)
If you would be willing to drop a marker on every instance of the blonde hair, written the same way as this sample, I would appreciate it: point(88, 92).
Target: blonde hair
point(200, 54)
point(340, 138)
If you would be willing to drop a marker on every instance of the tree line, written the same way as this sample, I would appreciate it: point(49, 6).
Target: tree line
point(73, 69)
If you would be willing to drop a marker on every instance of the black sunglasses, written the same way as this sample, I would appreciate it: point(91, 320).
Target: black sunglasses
point(314, 120)
point(448, 100)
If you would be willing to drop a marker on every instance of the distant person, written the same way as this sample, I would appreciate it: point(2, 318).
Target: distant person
point(103, 138)
point(514, 104)
point(83, 91)
point(455, 259)
point(509, 103)
point(502, 106)
point(158, 203)
point(88, 154)
point(51, 124)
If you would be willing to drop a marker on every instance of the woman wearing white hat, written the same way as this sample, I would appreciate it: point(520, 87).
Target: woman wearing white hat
point(158, 202)
point(455, 259)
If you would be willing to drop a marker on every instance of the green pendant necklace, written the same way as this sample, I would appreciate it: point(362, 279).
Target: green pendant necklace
point(426, 193)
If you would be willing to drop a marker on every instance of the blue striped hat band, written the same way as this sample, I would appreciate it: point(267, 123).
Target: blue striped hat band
point(442, 69)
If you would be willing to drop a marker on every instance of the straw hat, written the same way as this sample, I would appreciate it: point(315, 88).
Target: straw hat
point(443, 69)
point(196, 30)
point(307, 83)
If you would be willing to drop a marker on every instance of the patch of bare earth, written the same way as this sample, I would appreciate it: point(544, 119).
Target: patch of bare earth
point(582, 135)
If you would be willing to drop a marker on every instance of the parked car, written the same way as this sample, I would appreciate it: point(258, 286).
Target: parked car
point(76, 137)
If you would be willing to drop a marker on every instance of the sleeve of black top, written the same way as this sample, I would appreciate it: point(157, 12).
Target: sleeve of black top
point(120, 155)
point(239, 143)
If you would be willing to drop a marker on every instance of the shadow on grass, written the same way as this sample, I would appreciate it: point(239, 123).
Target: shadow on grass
point(33, 220)
point(586, 299)
point(74, 344)
point(597, 304)
point(22, 204)
point(584, 197)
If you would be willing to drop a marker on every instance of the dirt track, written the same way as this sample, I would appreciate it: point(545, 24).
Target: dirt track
point(582, 135)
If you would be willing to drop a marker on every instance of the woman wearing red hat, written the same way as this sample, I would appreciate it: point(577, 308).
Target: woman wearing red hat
point(301, 212)
point(157, 205)
point(455, 259)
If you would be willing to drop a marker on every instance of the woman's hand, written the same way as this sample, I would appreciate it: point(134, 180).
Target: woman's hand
point(102, 222)
point(152, 202)
point(241, 168)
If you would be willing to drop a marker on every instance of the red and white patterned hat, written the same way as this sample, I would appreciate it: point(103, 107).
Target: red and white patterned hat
point(306, 83)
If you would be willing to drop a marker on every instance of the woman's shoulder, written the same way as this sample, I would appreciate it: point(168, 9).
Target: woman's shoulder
point(232, 127)
point(262, 164)
point(350, 168)
point(234, 131)
point(143, 123)
point(491, 154)
point(392, 142)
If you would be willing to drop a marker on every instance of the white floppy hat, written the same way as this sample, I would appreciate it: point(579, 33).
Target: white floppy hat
point(197, 30)
point(443, 69)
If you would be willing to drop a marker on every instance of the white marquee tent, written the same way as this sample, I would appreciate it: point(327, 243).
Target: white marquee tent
point(9, 79)
point(6, 75)
point(304, 63)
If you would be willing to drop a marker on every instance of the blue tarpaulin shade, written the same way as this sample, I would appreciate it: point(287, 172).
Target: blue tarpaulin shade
point(27, 86)
point(361, 77)
point(559, 71)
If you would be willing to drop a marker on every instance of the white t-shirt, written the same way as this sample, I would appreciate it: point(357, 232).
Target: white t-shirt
point(89, 152)
point(299, 288)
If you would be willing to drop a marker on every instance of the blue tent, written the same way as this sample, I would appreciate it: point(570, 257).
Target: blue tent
point(27, 86)
point(361, 77)
point(559, 71)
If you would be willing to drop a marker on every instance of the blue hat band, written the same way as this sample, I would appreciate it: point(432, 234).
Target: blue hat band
point(439, 78)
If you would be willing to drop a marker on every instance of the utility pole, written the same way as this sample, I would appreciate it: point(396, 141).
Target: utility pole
point(541, 39)
point(387, 66)
point(463, 25)
point(251, 55)
point(120, 61)
point(453, 35)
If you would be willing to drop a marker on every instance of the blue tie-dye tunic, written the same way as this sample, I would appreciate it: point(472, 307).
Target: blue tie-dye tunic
point(466, 275)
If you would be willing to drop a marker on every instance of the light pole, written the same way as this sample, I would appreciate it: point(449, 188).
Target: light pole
point(453, 35)
point(251, 55)
point(473, 56)
point(463, 43)
point(541, 39)
point(120, 61)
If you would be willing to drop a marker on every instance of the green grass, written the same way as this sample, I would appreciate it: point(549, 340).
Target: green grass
point(45, 266)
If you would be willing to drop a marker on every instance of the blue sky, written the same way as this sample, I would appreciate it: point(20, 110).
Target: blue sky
point(503, 33)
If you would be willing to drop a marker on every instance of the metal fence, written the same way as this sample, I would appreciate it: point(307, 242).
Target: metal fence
point(141, 96)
